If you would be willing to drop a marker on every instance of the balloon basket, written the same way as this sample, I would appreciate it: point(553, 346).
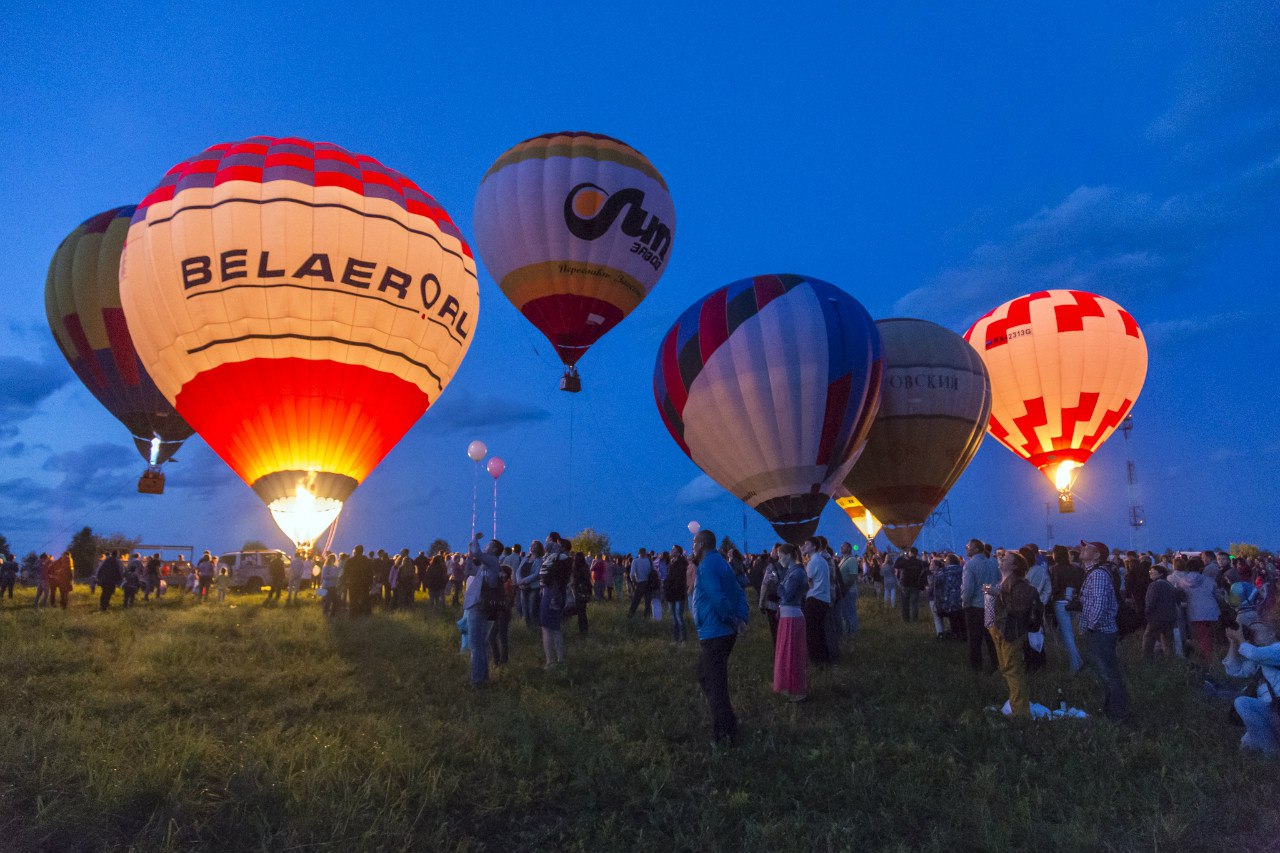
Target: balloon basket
point(570, 381)
point(151, 483)
point(1066, 503)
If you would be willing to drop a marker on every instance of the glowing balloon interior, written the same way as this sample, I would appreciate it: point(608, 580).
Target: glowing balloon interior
point(301, 306)
point(1066, 367)
point(770, 385)
point(303, 516)
point(868, 525)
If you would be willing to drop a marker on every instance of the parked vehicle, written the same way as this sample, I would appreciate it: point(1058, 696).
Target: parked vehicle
point(249, 569)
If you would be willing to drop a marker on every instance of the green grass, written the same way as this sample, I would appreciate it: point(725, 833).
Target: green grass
point(184, 727)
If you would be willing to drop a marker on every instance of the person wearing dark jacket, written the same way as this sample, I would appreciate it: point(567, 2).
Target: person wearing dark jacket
point(357, 576)
point(1161, 611)
point(277, 577)
point(110, 573)
point(437, 579)
point(675, 592)
point(582, 589)
point(420, 565)
point(914, 576)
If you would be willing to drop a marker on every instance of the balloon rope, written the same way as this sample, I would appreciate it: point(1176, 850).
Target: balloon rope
point(475, 484)
point(495, 507)
point(569, 467)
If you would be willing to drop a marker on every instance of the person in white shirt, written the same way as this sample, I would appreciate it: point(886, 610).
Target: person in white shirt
point(817, 603)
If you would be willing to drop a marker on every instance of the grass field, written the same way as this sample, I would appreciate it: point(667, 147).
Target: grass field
point(183, 727)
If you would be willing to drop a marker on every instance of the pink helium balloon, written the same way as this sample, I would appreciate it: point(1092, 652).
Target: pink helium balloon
point(476, 451)
point(694, 527)
point(495, 467)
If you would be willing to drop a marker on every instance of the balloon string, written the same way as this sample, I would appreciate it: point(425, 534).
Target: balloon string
point(569, 467)
point(613, 457)
point(495, 507)
point(475, 484)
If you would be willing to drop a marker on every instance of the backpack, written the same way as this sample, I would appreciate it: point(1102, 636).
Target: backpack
point(1127, 618)
point(493, 603)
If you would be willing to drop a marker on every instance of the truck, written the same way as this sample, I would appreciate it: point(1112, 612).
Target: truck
point(249, 569)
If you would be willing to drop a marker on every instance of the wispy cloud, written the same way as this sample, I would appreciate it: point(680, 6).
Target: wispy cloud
point(24, 384)
point(700, 489)
point(461, 409)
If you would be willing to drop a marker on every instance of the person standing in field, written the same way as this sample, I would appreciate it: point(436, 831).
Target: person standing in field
point(554, 577)
point(59, 579)
point(8, 575)
point(357, 577)
point(719, 615)
point(979, 571)
point(675, 589)
point(641, 569)
point(110, 573)
point(1100, 601)
point(790, 659)
point(483, 572)
point(223, 583)
point(817, 601)
point(1015, 608)
point(769, 599)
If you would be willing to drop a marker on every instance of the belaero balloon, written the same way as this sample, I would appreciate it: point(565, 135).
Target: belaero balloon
point(301, 306)
point(82, 301)
point(770, 385)
point(576, 229)
point(933, 416)
point(1066, 366)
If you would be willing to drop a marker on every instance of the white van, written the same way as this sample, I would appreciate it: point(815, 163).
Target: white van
point(249, 569)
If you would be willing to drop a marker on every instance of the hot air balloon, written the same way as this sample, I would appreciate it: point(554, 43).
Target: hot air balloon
point(933, 415)
point(301, 306)
point(576, 229)
point(1066, 367)
point(770, 385)
point(82, 300)
point(868, 525)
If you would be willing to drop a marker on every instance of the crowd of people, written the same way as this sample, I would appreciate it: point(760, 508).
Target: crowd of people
point(1009, 606)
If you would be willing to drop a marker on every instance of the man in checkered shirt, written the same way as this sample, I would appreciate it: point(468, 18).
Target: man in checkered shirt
point(1098, 619)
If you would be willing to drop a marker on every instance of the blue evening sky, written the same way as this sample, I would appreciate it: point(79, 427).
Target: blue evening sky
point(933, 160)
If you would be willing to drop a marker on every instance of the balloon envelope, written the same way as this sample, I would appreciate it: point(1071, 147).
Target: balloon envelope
point(476, 451)
point(576, 229)
point(495, 467)
point(770, 385)
point(82, 301)
point(934, 407)
point(301, 306)
point(1066, 367)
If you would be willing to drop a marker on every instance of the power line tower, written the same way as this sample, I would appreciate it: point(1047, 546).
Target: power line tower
point(1137, 518)
point(941, 533)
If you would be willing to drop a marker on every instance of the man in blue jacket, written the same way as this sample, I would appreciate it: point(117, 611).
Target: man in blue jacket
point(719, 614)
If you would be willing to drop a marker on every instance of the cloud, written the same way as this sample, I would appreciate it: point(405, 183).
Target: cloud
point(465, 410)
point(91, 474)
point(24, 384)
point(701, 489)
point(1159, 332)
point(1099, 238)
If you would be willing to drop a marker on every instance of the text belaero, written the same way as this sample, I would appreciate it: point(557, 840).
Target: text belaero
point(234, 264)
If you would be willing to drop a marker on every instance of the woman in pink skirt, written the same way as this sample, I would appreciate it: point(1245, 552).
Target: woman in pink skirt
point(791, 655)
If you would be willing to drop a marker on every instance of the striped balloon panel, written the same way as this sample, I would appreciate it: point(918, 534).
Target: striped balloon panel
point(934, 408)
point(576, 230)
point(770, 385)
point(1066, 367)
point(82, 304)
point(302, 305)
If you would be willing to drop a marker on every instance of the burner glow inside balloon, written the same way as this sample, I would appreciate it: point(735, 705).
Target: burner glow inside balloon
point(301, 306)
point(1066, 366)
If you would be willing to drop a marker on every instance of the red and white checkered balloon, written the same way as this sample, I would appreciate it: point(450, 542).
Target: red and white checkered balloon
point(1066, 367)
